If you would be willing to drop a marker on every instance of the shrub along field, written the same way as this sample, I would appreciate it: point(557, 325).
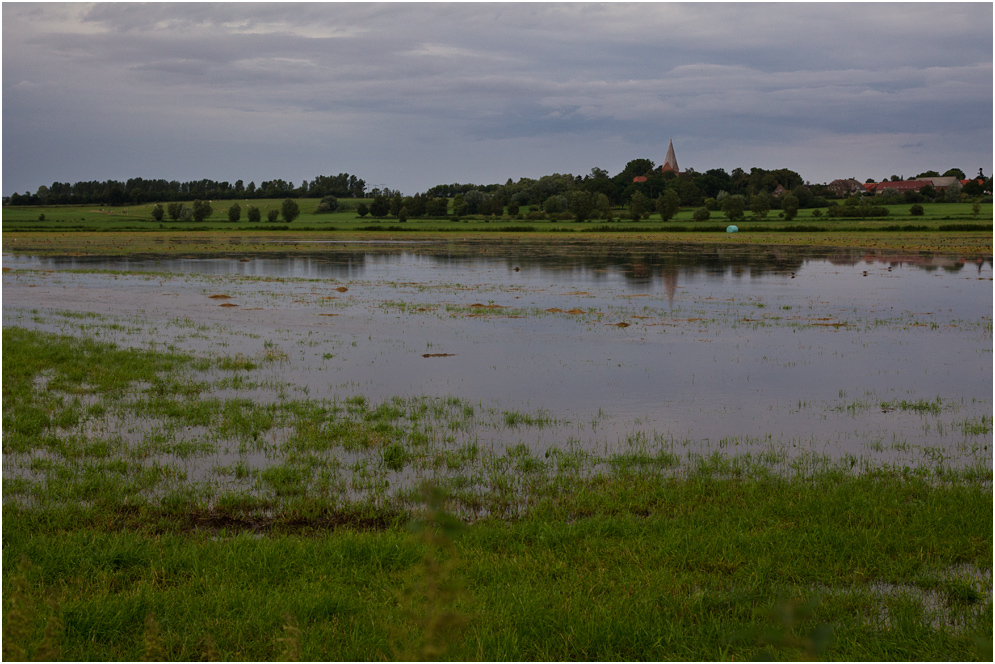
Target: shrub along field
point(944, 227)
point(936, 217)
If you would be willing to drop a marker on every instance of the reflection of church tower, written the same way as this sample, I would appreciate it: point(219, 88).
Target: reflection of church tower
point(670, 283)
point(670, 163)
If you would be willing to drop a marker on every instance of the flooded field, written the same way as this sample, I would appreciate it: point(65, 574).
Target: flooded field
point(792, 358)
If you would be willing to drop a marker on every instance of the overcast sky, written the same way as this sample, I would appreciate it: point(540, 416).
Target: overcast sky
point(411, 95)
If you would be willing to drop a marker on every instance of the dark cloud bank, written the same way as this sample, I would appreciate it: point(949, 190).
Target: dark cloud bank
point(412, 95)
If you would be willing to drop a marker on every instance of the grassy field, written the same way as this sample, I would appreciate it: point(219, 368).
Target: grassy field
point(139, 217)
point(629, 567)
point(969, 244)
point(945, 227)
point(115, 549)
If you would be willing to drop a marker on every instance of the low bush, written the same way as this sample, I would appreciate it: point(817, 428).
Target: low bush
point(861, 211)
point(327, 204)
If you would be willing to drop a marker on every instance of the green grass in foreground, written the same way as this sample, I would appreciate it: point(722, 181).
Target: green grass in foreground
point(652, 570)
point(638, 556)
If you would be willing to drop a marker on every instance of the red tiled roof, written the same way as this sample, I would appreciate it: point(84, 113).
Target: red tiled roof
point(639, 178)
point(902, 185)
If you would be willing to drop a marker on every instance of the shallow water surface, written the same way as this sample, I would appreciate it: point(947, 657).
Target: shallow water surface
point(833, 352)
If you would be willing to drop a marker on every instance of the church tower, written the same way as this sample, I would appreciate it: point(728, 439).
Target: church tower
point(670, 163)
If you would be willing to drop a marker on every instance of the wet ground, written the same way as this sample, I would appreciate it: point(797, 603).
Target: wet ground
point(841, 354)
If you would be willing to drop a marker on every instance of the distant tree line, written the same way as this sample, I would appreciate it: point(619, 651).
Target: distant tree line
point(600, 195)
point(637, 191)
point(138, 190)
point(691, 188)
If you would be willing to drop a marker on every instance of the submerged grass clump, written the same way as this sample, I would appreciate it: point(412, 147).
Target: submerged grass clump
point(918, 406)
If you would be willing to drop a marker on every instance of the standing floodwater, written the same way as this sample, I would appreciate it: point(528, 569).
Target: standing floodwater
point(833, 352)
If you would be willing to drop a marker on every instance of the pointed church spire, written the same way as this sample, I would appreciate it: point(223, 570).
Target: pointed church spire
point(670, 163)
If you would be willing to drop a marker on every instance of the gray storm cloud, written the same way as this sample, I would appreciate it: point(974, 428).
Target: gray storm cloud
point(414, 95)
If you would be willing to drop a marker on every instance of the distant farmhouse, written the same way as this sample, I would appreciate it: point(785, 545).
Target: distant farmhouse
point(901, 186)
point(843, 188)
point(940, 184)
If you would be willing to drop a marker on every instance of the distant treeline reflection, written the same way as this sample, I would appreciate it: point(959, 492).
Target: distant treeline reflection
point(635, 262)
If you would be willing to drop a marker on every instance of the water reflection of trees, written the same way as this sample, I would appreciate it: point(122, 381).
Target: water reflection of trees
point(925, 261)
point(654, 260)
point(672, 261)
point(638, 263)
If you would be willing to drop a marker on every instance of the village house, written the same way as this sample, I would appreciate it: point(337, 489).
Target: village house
point(980, 182)
point(901, 186)
point(843, 188)
point(941, 183)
